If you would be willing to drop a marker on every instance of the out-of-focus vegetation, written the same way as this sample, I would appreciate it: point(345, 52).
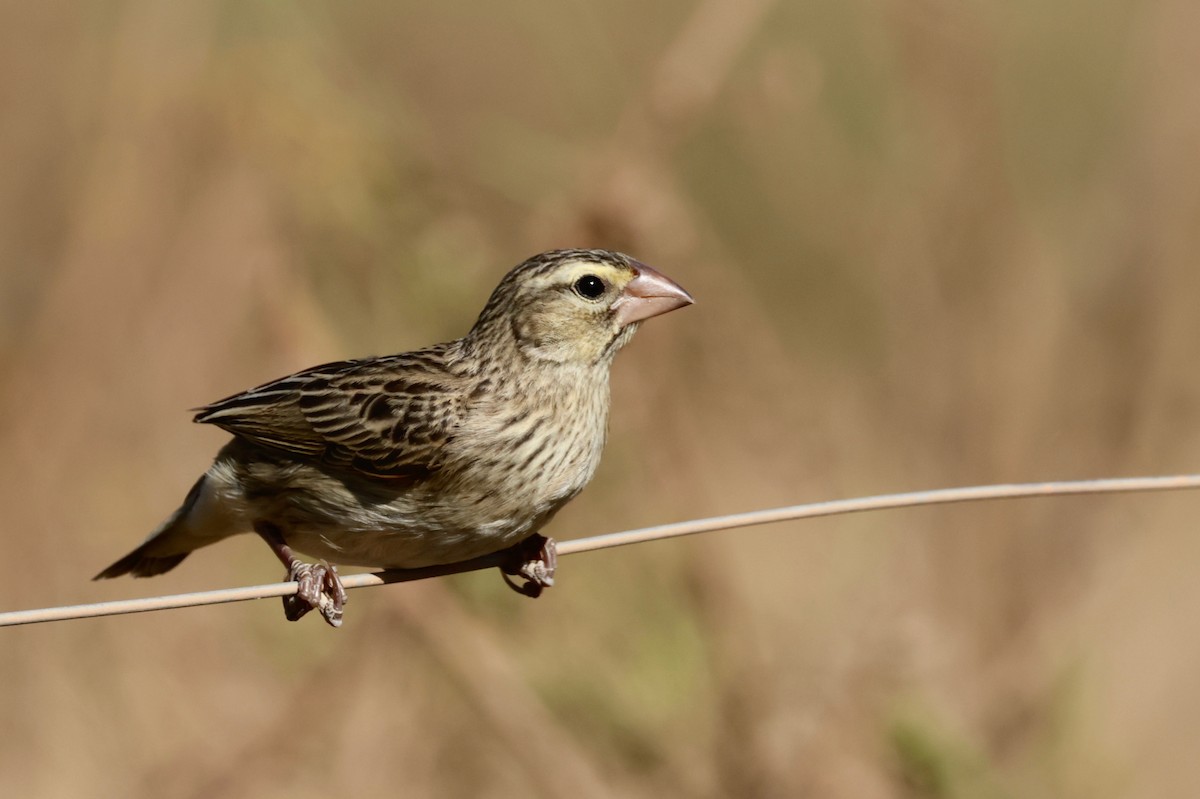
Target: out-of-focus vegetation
point(933, 243)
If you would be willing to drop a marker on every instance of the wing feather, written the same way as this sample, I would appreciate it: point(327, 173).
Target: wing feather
point(384, 417)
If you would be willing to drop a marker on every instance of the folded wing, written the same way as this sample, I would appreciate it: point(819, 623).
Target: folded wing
point(384, 417)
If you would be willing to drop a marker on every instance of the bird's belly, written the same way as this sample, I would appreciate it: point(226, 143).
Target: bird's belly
point(396, 549)
point(402, 540)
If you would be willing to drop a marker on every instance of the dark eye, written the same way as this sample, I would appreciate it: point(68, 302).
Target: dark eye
point(589, 287)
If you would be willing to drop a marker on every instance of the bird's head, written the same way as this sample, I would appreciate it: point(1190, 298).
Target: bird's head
point(578, 306)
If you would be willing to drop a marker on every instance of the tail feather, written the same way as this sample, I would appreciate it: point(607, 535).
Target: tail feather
point(141, 564)
point(149, 559)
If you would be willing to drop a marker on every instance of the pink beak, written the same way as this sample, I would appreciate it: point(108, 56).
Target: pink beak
point(649, 294)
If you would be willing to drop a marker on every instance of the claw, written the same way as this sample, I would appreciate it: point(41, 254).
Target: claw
point(319, 585)
point(535, 559)
point(319, 589)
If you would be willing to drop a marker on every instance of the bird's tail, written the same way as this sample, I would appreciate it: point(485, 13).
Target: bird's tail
point(140, 563)
point(150, 559)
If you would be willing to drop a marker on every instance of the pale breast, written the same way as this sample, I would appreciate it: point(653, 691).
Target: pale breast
point(524, 455)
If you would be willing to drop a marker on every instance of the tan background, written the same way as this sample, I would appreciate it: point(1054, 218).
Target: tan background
point(933, 243)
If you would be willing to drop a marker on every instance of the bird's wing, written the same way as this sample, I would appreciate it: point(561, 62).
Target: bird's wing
point(384, 417)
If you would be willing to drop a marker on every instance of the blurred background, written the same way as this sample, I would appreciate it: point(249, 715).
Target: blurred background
point(933, 243)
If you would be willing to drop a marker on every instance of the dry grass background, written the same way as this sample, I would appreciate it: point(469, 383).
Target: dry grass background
point(934, 243)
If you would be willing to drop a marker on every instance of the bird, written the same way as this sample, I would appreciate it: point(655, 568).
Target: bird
point(460, 450)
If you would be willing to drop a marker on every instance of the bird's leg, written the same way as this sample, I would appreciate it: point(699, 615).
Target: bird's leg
point(535, 559)
point(320, 588)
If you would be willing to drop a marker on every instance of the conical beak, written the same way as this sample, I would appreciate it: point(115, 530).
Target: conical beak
point(649, 294)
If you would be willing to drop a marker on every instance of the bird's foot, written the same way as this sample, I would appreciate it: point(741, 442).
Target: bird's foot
point(535, 559)
point(320, 589)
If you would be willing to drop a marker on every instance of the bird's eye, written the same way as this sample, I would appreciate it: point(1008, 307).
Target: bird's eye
point(589, 287)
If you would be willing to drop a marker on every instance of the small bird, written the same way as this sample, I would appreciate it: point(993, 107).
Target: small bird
point(431, 457)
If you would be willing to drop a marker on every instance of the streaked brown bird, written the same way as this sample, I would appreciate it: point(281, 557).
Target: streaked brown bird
point(431, 457)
